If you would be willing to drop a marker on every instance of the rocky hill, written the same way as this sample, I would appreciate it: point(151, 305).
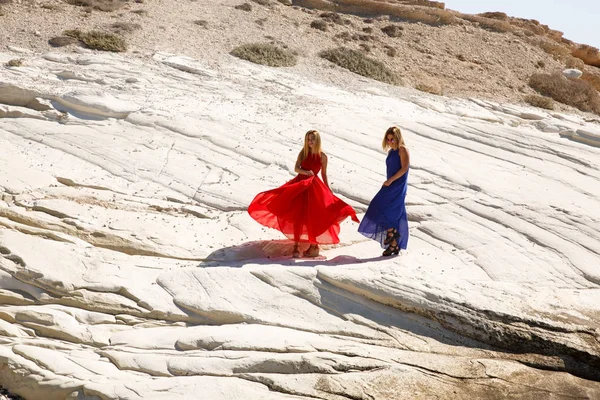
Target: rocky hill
point(429, 47)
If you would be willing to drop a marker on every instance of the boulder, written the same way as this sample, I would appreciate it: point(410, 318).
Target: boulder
point(572, 73)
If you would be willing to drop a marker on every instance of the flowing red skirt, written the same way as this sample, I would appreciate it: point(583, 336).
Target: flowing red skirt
point(303, 209)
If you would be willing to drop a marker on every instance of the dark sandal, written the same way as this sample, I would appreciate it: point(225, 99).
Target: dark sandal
point(391, 250)
point(394, 235)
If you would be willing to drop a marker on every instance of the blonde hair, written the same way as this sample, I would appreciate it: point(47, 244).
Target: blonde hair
point(394, 130)
point(317, 146)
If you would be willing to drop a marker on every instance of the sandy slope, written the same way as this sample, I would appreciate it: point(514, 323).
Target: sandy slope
point(462, 60)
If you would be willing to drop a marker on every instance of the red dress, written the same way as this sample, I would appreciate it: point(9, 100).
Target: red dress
point(303, 209)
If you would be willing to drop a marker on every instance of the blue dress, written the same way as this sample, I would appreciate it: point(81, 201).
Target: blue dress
point(388, 209)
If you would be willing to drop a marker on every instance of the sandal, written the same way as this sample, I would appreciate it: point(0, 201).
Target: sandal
point(296, 252)
point(394, 235)
point(313, 251)
point(391, 250)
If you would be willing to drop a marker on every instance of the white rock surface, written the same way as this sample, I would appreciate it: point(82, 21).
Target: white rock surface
point(130, 269)
point(572, 73)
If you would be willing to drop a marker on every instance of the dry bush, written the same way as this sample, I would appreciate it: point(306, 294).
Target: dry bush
point(265, 54)
point(396, 11)
point(125, 27)
point(60, 41)
point(335, 18)
point(495, 15)
point(244, 7)
point(593, 78)
point(99, 40)
point(489, 24)
point(390, 51)
point(102, 5)
point(367, 29)
point(540, 101)
point(15, 62)
point(345, 36)
point(320, 25)
point(556, 50)
point(424, 87)
point(574, 92)
point(392, 30)
point(429, 85)
point(540, 64)
point(573, 62)
point(358, 63)
point(365, 47)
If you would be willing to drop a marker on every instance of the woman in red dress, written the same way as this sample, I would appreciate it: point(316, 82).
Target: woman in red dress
point(304, 209)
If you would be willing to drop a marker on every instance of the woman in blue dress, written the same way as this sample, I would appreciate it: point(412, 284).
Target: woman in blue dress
point(385, 220)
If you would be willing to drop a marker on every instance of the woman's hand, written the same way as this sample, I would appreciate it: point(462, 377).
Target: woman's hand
point(309, 172)
point(388, 182)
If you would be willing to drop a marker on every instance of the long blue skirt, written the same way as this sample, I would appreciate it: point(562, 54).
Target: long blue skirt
point(388, 210)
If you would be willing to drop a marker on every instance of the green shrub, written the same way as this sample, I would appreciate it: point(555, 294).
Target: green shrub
point(360, 64)
point(15, 62)
point(99, 40)
point(265, 54)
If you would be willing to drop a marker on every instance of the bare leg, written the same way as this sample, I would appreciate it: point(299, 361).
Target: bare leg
point(296, 252)
point(391, 235)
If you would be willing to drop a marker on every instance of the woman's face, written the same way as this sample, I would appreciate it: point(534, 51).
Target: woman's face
point(311, 140)
point(391, 141)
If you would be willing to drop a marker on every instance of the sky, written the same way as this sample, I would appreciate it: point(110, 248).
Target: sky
point(578, 20)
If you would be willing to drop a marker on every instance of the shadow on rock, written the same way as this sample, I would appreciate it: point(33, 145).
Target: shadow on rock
point(274, 252)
